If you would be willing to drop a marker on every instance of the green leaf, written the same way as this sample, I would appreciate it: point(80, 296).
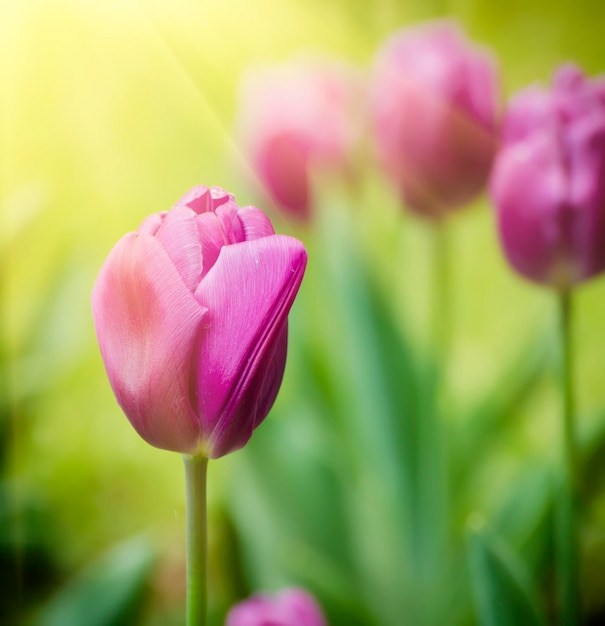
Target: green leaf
point(108, 592)
point(525, 514)
point(374, 373)
point(482, 429)
point(592, 453)
point(504, 593)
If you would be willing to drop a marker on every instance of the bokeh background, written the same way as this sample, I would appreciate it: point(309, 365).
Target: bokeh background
point(111, 111)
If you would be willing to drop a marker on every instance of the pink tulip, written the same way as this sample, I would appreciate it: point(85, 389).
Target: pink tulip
point(435, 114)
point(297, 120)
point(548, 183)
point(191, 317)
point(292, 607)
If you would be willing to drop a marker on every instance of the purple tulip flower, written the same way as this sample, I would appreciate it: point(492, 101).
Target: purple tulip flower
point(548, 183)
point(292, 607)
point(435, 116)
point(191, 317)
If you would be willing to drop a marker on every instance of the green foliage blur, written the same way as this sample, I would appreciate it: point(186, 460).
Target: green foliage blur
point(111, 111)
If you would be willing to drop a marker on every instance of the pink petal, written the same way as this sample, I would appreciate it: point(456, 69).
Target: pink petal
point(248, 293)
point(291, 607)
point(211, 237)
point(528, 111)
point(179, 236)
point(202, 199)
point(298, 608)
point(282, 161)
point(273, 373)
point(230, 222)
point(529, 187)
point(146, 322)
point(586, 159)
point(256, 223)
point(151, 224)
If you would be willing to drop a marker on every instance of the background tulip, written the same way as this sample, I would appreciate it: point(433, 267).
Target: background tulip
point(292, 607)
point(548, 183)
point(435, 116)
point(297, 118)
point(191, 318)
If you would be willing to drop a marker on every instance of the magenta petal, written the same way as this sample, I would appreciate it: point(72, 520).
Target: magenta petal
point(202, 199)
point(147, 321)
point(256, 224)
point(291, 607)
point(211, 237)
point(529, 111)
point(283, 164)
point(248, 293)
point(273, 373)
point(529, 188)
point(179, 236)
point(230, 222)
point(586, 144)
point(299, 608)
point(481, 99)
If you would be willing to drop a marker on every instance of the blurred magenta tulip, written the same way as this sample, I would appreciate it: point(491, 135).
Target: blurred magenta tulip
point(191, 317)
point(292, 607)
point(435, 116)
point(548, 182)
point(296, 120)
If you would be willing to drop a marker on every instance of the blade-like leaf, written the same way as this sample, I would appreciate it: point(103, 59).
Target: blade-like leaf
point(485, 422)
point(107, 593)
point(504, 594)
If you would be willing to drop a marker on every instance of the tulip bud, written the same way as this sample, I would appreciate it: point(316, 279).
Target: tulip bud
point(297, 119)
point(435, 116)
point(292, 607)
point(191, 314)
point(548, 182)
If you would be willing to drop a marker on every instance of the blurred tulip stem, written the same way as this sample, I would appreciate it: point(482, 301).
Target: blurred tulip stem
point(441, 314)
point(568, 559)
point(434, 490)
point(197, 540)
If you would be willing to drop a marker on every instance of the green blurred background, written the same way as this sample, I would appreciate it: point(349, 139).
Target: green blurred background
point(112, 110)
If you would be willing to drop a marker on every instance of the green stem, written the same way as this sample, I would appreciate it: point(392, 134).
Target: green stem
point(197, 540)
point(568, 557)
point(441, 314)
point(433, 471)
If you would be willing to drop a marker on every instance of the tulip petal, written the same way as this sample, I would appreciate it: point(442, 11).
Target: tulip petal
point(151, 224)
point(291, 607)
point(273, 372)
point(211, 237)
point(529, 186)
point(528, 111)
point(147, 321)
point(241, 351)
point(232, 225)
point(282, 161)
point(179, 236)
point(586, 147)
point(256, 224)
point(202, 199)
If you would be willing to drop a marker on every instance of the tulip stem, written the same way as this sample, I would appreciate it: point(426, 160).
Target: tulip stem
point(434, 488)
point(568, 556)
point(441, 291)
point(197, 540)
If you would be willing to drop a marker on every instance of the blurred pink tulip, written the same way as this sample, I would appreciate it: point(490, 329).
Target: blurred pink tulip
point(191, 317)
point(292, 607)
point(435, 116)
point(296, 120)
point(548, 182)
